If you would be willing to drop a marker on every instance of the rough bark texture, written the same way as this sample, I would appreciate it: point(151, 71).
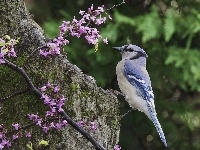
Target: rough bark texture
point(85, 101)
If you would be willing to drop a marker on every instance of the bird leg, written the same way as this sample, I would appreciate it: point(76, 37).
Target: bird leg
point(126, 113)
point(118, 93)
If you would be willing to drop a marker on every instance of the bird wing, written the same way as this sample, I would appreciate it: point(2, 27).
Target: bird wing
point(139, 79)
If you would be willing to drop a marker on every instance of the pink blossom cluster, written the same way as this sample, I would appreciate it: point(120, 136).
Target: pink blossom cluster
point(47, 125)
point(55, 106)
point(6, 141)
point(54, 103)
point(53, 47)
point(92, 126)
point(78, 28)
point(7, 48)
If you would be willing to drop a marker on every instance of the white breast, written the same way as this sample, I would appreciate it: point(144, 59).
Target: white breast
point(129, 90)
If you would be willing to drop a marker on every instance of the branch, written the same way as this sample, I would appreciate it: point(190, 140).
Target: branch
point(14, 94)
point(25, 75)
point(65, 116)
point(82, 131)
point(44, 46)
point(116, 5)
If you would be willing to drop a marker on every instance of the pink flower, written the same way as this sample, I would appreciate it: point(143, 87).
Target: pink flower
point(1, 61)
point(101, 8)
point(52, 125)
point(43, 88)
point(93, 126)
point(47, 100)
point(1, 146)
point(45, 129)
point(16, 126)
point(58, 126)
point(64, 122)
point(91, 8)
point(81, 12)
point(15, 136)
point(28, 134)
point(5, 142)
point(1, 135)
point(81, 123)
point(105, 40)
point(48, 84)
point(98, 21)
point(39, 122)
point(44, 53)
point(117, 147)
point(49, 113)
point(56, 89)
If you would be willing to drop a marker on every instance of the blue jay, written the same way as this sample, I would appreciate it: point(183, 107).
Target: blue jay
point(134, 82)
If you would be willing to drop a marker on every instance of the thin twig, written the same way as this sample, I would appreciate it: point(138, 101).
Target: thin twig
point(14, 94)
point(44, 46)
point(31, 124)
point(64, 115)
point(116, 5)
point(29, 56)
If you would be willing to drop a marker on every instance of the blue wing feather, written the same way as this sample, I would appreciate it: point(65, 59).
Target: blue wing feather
point(143, 89)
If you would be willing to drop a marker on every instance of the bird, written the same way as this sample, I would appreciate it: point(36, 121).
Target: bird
point(134, 82)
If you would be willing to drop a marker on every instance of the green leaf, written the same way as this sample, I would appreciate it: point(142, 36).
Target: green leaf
point(30, 146)
point(123, 19)
point(150, 25)
point(2, 43)
point(188, 63)
point(43, 142)
point(7, 37)
point(169, 24)
point(110, 32)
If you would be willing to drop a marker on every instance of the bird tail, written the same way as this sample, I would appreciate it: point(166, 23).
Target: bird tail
point(157, 125)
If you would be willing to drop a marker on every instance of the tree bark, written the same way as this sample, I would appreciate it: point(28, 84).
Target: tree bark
point(85, 101)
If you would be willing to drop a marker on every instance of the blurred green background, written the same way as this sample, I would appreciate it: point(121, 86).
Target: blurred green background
point(169, 31)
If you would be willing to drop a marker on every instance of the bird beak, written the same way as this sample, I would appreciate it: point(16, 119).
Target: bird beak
point(118, 48)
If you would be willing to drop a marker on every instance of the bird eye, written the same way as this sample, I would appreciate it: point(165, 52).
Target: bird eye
point(128, 49)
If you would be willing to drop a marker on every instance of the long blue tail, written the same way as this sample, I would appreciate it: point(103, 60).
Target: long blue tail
point(157, 124)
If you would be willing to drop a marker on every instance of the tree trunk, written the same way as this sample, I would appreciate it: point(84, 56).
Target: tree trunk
point(85, 101)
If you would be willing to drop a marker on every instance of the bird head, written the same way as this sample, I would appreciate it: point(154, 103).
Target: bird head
point(131, 51)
